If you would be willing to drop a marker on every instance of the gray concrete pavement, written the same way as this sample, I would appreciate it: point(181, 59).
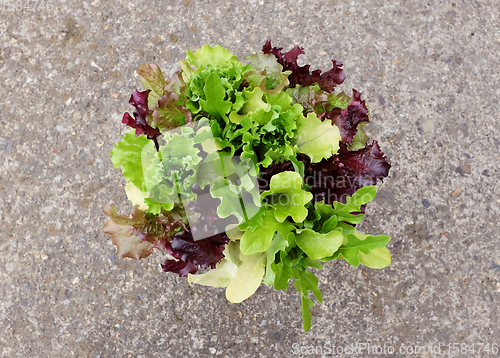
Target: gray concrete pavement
point(428, 70)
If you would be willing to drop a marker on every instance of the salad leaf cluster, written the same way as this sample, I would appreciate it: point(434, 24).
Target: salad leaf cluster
point(254, 173)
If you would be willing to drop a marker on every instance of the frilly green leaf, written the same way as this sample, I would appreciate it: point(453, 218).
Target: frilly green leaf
point(287, 197)
point(318, 246)
point(216, 56)
point(259, 239)
point(130, 153)
point(318, 140)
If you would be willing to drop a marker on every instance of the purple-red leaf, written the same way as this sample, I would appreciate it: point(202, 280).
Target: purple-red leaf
point(182, 268)
point(300, 74)
point(365, 165)
point(204, 253)
point(347, 120)
point(138, 235)
point(341, 175)
point(140, 101)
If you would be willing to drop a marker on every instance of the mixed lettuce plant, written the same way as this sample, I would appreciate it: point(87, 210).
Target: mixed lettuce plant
point(246, 174)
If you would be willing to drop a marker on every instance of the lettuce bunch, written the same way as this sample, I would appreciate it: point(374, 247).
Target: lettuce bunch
point(248, 173)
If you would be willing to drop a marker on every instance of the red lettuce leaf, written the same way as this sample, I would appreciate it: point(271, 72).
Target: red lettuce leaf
point(175, 84)
point(168, 115)
point(152, 78)
point(205, 253)
point(205, 206)
point(182, 268)
point(140, 101)
point(341, 175)
point(191, 255)
point(327, 81)
point(127, 243)
point(365, 165)
point(347, 120)
point(137, 235)
point(122, 229)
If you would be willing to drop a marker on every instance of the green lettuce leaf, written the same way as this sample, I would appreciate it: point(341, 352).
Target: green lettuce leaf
point(169, 181)
point(360, 139)
point(221, 275)
point(136, 196)
point(314, 99)
point(207, 56)
point(306, 281)
point(282, 271)
point(287, 197)
point(241, 276)
point(129, 153)
point(378, 258)
point(260, 238)
point(261, 62)
point(318, 246)
point(278, 244)
point(318, 140)
point(237, 200)
point(353, 204)
point(248, 277)
point(268, 75)
point(216, 103)
point(351, 250)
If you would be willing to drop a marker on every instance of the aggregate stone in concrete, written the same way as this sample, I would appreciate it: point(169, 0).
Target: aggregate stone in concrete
point(429, 72)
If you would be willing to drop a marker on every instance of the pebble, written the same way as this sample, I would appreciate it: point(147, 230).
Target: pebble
point(212, 350)
point(428, 126)
point(457, 192)
point(460, 171)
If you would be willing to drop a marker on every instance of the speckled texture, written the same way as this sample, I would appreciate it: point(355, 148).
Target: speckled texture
point(429, 73)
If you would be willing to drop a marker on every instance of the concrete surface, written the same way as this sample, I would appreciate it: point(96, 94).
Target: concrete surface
point(429, 71)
